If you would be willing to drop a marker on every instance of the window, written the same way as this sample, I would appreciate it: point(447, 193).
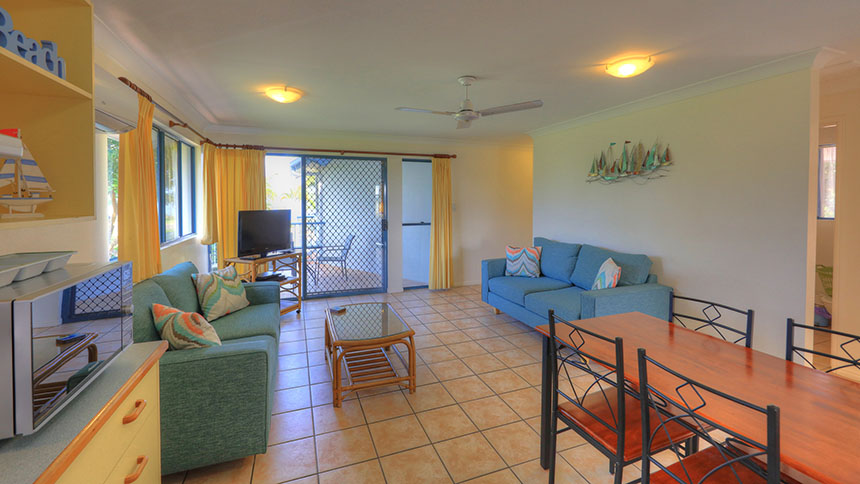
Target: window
point(827, 181)
point(175, 166)
point(113, 195)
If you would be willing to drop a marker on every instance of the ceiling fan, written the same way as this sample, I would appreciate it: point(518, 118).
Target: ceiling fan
point(467, 112)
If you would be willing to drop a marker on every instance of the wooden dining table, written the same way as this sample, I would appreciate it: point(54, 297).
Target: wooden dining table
point(819, 412)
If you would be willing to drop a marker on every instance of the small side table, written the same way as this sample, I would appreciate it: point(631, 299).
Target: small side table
point(356, 340)
point(289, 264)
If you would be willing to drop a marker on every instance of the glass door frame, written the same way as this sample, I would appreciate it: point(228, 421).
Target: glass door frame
point(384, 222)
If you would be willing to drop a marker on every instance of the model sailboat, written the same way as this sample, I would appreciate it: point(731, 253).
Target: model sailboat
point(29, 187)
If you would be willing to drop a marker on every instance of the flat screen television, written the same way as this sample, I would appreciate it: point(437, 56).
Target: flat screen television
point(263, 231)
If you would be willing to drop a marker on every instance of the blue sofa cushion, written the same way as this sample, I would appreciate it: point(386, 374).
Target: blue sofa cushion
point(565, 302)
point(514, 289)
point(557, 259)
point(256, 320)
point(634, 267)
point(179, 287)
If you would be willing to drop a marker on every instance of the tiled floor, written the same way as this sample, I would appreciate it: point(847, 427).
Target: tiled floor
point(474, 417)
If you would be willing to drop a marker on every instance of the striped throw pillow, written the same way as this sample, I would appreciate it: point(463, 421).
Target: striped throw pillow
point(607, 276)
point(522, 261)
point(183, 330)
point(220, 292)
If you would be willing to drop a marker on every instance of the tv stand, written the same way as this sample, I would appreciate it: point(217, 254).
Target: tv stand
point(288, 264)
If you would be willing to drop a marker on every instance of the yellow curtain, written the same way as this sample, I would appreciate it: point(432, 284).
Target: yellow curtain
point(233, 180)
point(440, 226)
point(138, 203)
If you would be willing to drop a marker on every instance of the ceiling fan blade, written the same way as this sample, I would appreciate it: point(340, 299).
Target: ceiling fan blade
point(463, 124)
point(428, 111)
point(511, 108)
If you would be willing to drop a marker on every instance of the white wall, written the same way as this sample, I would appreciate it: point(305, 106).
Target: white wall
point(730, 221)
point(492, 187)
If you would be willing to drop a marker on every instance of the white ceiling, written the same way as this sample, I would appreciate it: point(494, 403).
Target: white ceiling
point(358, 60)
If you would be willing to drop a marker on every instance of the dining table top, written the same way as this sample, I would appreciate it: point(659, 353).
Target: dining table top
point(819, 412)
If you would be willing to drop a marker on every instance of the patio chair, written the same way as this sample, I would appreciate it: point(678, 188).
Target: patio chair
point(336, 254)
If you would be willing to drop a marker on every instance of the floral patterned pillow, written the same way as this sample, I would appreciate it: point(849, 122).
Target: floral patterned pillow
point(183, 330)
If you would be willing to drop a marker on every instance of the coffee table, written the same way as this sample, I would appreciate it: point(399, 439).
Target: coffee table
point(357, 339)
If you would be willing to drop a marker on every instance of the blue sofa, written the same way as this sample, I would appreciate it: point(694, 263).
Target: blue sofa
point(567, 274)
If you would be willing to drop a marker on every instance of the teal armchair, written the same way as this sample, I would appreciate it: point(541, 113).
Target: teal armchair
point(216, 403)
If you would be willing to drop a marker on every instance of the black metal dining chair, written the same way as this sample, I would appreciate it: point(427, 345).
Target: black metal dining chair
point(732, 457)
point(829, 361)
point(335, 254)
point(721, 321)
point(606, 413)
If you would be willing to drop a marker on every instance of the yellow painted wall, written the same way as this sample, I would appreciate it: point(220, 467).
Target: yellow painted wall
point(730, 221)
point(492, 185)
point(843, 107)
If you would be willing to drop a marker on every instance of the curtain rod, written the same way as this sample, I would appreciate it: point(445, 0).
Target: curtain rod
point(203, 139)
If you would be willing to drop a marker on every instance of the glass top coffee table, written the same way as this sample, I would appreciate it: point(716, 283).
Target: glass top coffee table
point(357, 339)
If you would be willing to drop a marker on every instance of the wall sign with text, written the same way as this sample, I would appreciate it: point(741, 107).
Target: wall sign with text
point(43, 54)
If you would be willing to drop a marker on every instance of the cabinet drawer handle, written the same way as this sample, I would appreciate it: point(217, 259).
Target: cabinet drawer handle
point(142, 460)
point(139, 405)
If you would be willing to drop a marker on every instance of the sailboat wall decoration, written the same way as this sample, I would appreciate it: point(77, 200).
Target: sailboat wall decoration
point(634, 162)
point(23, 187)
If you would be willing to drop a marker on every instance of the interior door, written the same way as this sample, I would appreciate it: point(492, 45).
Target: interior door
point(417, 207)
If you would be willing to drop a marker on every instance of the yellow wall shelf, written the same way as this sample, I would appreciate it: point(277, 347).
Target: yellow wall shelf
point(55, 115)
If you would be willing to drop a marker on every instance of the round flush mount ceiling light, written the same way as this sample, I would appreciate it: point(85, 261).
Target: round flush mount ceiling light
point(283, 94)
point(630, 66)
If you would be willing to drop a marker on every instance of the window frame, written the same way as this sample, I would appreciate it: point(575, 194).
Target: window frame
point(160, 175)
point(820, 194)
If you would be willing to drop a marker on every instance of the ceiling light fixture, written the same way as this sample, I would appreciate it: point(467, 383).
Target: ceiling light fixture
point(284, 94)
point(630, 66)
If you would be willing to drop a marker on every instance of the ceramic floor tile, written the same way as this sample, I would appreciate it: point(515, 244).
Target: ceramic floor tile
point(489, 412)
point(469, 388)
point(594, 466)
point(428, 397)
point(320, 374)
point(496, 345)
point(532, 473)
point(428, 319)
point(454, 314)
point(515, 357)
point(293, 425)
point(344, 447)
point(369, 472)
point(466, 323)
point(446, 423)
point(530, 373)
point(436, 354)
point(449, 370)
point(385, 406)
point(516, 442)
point(452, 337)
point(420, 310)
point(284, 462)
point(483, 363)
point(397, 434)
point(503, 381)
point(292, 378)
point(420, 465)
point(289, 336)
point(292, 399)
point(327, 418)
point(224, 473)
point(525, 402)
point(565, 440)
point(441, 326)
point(290, 362)
point(501, 477)
point(424, 376)
point(480, 332)
point(291, 347)
point(467, 349)
point(316, 358)
point(469, 456)
point(427, 341)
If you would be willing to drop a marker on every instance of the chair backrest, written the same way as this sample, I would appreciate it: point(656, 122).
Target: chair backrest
point(828, 361)
point(574, 349)
point(721, 321)
point(675, 399)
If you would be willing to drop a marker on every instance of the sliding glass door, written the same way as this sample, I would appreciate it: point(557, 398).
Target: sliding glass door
point(339, 212)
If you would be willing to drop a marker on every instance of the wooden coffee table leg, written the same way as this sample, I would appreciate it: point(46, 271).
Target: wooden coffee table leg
point(335, 380)
point(411, 345)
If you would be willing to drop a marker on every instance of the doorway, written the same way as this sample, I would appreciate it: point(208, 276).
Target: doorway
point(417, 208)
point(340, 221)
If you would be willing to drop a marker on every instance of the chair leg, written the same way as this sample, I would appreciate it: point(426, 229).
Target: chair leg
point(552, 445)
point(619, 472)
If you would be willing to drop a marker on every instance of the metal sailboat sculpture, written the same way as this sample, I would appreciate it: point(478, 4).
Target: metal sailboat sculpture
point(29, 187)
